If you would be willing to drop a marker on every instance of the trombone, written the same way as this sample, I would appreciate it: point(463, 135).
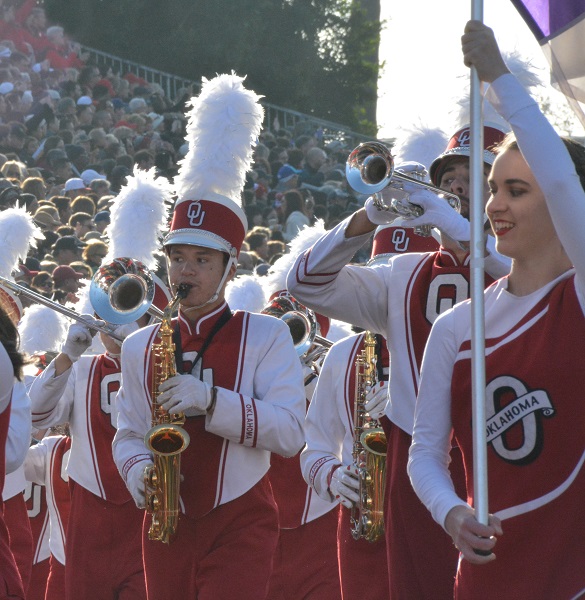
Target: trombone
point(370, 168)
point(302, 324)
point(20, 290)
point(120, 292)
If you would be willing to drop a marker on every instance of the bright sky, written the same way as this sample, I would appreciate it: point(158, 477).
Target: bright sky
point(424, 73)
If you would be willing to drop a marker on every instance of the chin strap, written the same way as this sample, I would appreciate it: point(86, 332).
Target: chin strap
point(233, 260)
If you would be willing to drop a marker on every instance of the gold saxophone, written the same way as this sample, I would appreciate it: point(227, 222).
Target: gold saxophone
point(166, 439)
point(369, 452)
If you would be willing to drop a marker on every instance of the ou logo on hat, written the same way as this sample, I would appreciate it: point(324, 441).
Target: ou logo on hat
point(464, 138)
point(195, 214)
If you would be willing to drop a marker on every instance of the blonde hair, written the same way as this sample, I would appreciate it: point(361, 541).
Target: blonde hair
point(14, 169)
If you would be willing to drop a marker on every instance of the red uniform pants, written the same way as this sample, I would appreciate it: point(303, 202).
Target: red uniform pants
point(10, 581)
point(56, 580)
point(422, 560)
point(227, 553)
point(363, 567)
point(305, 562)
point(38, 580)
point(21, 541)
point(103, 554)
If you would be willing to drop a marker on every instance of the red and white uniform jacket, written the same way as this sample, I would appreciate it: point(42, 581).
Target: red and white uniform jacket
point(9, 576)
point(35, 496)
point(45, 465)
point(259, 409)
point(19, 432)
point(329, 426)
point(297, 502)
point(400, 300)
point(83, 396)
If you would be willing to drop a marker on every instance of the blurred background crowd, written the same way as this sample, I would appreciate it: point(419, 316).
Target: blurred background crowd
point(72, 131)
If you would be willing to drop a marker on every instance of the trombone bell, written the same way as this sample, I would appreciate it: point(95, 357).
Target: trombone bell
point(122, 291)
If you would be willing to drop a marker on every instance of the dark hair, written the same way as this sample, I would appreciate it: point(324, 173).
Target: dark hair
point(255, 240)
point(295, 157)
point(10, 340)
point(79, 217)
point(575, 149)
point(294, 201)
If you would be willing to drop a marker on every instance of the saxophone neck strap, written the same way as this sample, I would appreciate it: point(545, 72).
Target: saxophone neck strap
point(225, 316)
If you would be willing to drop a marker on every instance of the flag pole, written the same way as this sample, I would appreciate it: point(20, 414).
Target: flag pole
point(477, 250)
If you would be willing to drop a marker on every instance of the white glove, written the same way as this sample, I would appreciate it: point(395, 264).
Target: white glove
point(185, 393)
point(412, 169)
point(438, 213)
point(135, 483)
point(124, 331)
point(378, 216)
point(345, 485)
point(79, 338)
point(377, 399)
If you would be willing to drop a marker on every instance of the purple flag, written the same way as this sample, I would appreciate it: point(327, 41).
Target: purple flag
point(559, 27)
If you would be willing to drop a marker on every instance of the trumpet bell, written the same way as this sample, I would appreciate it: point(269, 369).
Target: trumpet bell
point(369, 168)
point(122, 291)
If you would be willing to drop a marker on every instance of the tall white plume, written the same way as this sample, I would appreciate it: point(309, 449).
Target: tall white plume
point(275, 280)
point(246, 292)
point(138, 218)
point(42, 329)
point(17, 233)
point(419, 143)
point(224, 123)
point(523, 69)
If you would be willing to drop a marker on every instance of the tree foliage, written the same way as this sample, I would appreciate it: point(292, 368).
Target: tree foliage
point(313, 56)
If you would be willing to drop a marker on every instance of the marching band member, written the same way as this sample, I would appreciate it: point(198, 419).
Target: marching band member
point(38, 516)
point(18, 233)
point(11, 363)
point(305, 562)
point(400, 300)
point(46, 466)
point(42, 332)
point(329, 433)
point(79, 388)
point(239, 381)
point(532, 546)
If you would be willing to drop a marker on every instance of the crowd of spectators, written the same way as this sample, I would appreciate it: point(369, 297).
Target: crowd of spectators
point(71, 132)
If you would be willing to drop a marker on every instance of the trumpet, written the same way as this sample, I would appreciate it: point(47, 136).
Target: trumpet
point(370, 169)
point(20, 290)
point(120, 292)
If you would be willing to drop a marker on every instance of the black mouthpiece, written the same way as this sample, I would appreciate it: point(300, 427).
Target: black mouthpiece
point(183, 290)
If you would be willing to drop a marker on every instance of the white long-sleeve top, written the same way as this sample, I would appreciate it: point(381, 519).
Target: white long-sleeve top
point(558, 180)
